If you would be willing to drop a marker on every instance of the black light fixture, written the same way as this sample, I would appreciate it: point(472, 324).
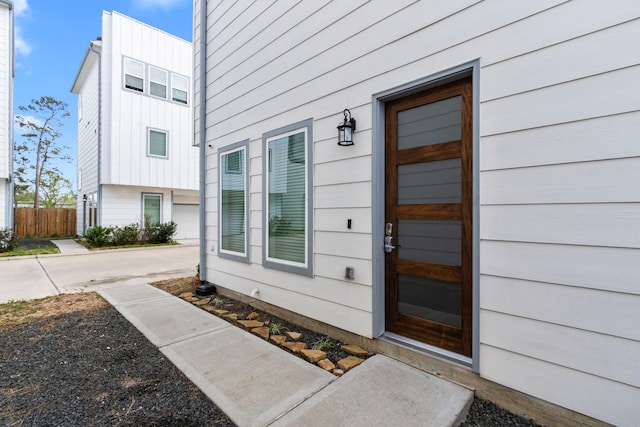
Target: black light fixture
point(84, 198)
point(346, 129)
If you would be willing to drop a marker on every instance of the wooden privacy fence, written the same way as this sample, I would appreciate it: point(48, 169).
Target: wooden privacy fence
point(44, 222)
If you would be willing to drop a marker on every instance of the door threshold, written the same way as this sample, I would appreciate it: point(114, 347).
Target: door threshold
point(449, 356)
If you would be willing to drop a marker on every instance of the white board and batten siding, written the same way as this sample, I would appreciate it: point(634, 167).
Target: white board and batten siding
point(6, 113)
point(129, 114)
point(559, 113)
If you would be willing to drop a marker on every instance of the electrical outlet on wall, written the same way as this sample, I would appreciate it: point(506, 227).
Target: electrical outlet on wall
point(349, 273)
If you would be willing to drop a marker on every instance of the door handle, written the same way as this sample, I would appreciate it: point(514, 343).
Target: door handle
point(388, 238)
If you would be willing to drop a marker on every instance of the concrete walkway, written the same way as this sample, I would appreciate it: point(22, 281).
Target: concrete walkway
point(39, 276)
point(257, 384)
point(69, 246)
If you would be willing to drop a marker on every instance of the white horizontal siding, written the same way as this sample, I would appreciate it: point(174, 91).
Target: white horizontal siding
point(560, 212)
point(576, 349)
point(586, 98)
point(586, 182)
point(579, 141)
point(600, 311)
point(600, 224)
point(593, 267)
point(596, 396)
point(330, 312)
point(558, 160)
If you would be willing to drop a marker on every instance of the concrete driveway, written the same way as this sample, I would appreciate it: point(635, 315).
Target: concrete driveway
point(44, 275)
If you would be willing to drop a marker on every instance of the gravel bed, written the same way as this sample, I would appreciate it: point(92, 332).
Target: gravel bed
point(95, 368)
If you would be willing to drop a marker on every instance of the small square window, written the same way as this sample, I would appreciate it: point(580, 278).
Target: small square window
point(157, 146)
point(133, 75)
point(179, 89)
point(158, 82)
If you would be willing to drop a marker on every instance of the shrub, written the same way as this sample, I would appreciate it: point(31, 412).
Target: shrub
point(161, 233)
point(99, 235)
point(125, 235)
point(8, 240)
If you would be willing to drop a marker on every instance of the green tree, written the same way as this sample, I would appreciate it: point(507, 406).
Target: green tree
point(56, 190)
point(34, 158)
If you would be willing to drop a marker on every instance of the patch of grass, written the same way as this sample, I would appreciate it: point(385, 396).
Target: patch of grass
point(35, 251)
point(322, 344)
point(20, 312)
point(277, 328)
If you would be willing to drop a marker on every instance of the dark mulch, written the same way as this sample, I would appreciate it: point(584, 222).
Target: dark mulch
point(313, 339)
point(484, 413)
point(35, 243)
point(94, 368)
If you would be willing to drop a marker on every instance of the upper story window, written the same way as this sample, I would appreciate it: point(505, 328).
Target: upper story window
point(179, 88)
point(133, 75)
point(157, 144)
point(157, 82)
point(161, 83)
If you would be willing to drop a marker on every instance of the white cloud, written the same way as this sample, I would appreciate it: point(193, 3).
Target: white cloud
point(163, 4)
point(20, 7)
point(23, 47)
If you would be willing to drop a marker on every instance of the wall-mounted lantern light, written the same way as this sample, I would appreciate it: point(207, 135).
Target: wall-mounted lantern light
point(346, 129)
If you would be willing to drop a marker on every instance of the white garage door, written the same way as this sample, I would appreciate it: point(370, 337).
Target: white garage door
point(186, 216)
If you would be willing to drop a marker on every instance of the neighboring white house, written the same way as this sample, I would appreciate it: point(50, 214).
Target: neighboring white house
point(497, 146)
point(135, 129)
point(6, 113)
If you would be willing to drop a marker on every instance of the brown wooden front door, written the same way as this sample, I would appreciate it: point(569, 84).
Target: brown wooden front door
point(428, 216)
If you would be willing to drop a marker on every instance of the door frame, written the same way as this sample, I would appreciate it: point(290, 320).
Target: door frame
point(379, 101)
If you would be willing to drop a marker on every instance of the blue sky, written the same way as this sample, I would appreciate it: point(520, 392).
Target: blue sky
point(51, 39)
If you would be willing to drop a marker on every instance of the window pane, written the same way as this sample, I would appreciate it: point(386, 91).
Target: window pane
point(430, 182)
point(437, 242)
point(134, 75)
point(179, 88)
point(134, 83)
point(157, 143)
point(179, 96)
point(430, 124)
point(232, 221)
point(152, 208)
point(158, 90)
point(158, 82)
point(287, 198)
point(430, 299)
